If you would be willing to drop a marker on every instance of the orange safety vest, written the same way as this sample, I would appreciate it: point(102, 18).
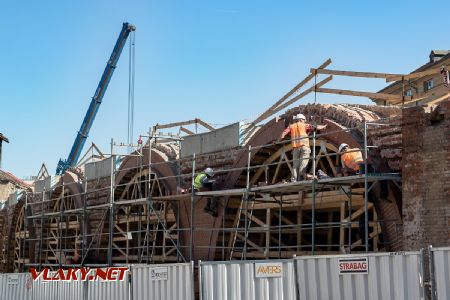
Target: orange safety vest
point(298, 135)
point(352, 159)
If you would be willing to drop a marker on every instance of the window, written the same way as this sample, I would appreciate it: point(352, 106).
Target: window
point(428, 85)
point(409, 92)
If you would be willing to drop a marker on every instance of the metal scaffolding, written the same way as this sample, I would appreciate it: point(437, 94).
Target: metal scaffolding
point(141, 220)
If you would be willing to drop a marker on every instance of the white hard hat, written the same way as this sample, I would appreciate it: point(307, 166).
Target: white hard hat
point(300, 117)
point(342, 146)
point(209, 172)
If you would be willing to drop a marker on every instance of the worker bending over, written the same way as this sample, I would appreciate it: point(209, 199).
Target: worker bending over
point(301, 151)
point(351, 159)
point(203, 181)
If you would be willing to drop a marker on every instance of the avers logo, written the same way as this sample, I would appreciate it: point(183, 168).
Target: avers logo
point(268, 270)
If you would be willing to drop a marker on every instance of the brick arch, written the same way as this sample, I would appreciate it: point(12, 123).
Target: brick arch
point(15, 216)
point(338, 118)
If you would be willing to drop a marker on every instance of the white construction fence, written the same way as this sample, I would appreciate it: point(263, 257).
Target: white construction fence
point(363, 276)
point(247, 280)
point(168, 282)
point(384, 276)
point(440, 273)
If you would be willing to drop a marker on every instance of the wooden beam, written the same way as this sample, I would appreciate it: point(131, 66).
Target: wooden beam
point(300, 219)
point(303, 94)
point(269, 111)
point(415, 75)
point(188, 122)
point(382, 96)
point(341, 227)
point(185, 130)
point(175, 124)
point(353, 74)
point(268, 220)
point(204, 124)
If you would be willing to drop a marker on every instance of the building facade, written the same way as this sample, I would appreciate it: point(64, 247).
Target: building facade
point(426, 89)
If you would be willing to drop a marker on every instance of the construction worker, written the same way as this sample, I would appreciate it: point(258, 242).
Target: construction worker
point(351, 159)
point(301, 151)
point(203, 181)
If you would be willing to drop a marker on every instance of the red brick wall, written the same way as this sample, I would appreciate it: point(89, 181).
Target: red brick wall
point(426, 177)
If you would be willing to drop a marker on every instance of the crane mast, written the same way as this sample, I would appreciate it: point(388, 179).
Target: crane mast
point(83, 133)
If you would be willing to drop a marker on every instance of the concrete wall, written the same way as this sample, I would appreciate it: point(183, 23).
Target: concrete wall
point(6, 188)
point(426, 176)
point(223, 138)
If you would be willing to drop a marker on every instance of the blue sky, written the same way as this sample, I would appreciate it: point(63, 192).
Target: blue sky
point(222, 61)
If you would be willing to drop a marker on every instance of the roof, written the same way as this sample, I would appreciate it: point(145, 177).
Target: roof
point(3, 138)
point(424, 67)
point(440, 52)
point(8, 177)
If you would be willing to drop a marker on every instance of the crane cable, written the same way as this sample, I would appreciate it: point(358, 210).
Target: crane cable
point(131, 74)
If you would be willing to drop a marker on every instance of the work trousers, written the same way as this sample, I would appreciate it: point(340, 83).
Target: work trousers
point(300, 157)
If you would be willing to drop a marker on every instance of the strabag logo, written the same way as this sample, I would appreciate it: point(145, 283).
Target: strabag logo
point(358, 265)
point(83, 274)
point(268, 270)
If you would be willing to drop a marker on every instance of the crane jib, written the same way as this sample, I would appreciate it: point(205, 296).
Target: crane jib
point(88, 120)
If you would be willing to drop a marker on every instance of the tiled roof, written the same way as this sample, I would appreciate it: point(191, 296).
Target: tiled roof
point(8, 177)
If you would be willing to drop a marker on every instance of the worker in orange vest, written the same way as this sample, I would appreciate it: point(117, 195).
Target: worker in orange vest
point(301, 151)
point(351, 159)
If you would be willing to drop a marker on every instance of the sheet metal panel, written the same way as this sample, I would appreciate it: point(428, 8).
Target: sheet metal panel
point(390, 276)
point(15, 286)
point(441, 263)
point(98, 169)
point(237, 281)
point(114, 290)
point(163, 282)
point(55, 290)
point(220, 139)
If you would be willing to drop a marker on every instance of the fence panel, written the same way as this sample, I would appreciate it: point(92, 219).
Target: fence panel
point(164, 282)
point(248, 280)
point(441, 272)
point(55, 290)
point(15, 286)
point(362, 276)
point(111, 290)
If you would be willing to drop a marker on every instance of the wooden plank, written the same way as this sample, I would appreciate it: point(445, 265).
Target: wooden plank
point(188, 122)
point(358, 213)
point(268, 219)
point(303, 94)
point(250, 242)
point(415, 75)
point(269, 111)
point(382, 96)
point(300, 219)
point(253, 218)
point(175, 124)
point(353, 73)
point(185, 130)
point(341, 228)
point(204, 124)
point(439, 99)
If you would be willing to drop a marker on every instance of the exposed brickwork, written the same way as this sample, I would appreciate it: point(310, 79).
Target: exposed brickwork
point(426, 176)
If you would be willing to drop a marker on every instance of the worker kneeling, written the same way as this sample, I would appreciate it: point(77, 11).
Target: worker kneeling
point(351, 159)
point(204, 182)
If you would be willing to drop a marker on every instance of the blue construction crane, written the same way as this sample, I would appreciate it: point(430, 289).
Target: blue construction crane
point(83, 133)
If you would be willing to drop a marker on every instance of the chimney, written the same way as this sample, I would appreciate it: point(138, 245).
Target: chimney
point(436, 55)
